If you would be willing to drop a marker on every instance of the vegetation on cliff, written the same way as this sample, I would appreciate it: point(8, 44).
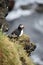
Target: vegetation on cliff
point(13, 53)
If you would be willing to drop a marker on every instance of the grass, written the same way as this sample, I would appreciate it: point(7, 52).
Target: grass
point(12, 53)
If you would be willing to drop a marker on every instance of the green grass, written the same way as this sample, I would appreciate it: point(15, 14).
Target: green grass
point(12, 53)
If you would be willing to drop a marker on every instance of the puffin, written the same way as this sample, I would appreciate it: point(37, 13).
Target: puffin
point(18, 32)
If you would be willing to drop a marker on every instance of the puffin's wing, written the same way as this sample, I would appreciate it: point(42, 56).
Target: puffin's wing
point(12, 36)
point(16, 32)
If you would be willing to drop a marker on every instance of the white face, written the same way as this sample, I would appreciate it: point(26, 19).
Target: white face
point(21, 26)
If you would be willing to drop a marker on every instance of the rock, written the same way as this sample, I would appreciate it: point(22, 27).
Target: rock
point(3, 11)
point(39, 8)
point(26, 7)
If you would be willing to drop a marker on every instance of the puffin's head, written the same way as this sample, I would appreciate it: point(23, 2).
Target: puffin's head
point(21, 26)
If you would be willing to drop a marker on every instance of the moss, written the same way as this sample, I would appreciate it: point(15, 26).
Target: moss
point(13, 53)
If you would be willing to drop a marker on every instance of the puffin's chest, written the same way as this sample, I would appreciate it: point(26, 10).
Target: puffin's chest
point(21, 33)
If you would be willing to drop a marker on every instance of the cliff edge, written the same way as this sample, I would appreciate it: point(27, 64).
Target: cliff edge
point(15, 51)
